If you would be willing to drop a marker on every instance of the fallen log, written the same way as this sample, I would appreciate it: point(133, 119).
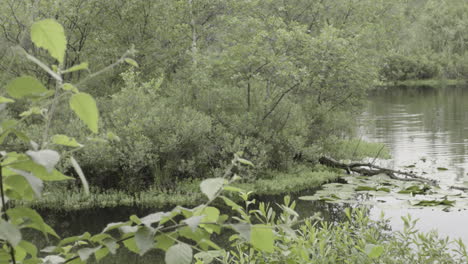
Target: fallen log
point(369, 169)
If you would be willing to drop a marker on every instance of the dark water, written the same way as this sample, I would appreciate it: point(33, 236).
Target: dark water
point(93, 221)
point(426, 127)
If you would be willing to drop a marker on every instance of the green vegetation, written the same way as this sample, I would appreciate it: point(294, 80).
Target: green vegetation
point(221, 96)
point(187, 193)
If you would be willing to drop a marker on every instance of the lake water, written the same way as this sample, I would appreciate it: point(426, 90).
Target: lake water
point(424, 127)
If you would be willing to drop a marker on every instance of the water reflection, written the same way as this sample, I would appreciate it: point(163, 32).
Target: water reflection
point(426, 127)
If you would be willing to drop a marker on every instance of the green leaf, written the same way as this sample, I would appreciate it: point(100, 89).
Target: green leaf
point(80, 173)
point(36, 184)
point(208, 256)
point(131, 245)
point(179, 254)
point(85, 108)
point(10, 233)
point(29, 247)
point(131, 62)
point(46, 158)
point(442, 169)
point(374, 251)
point(85, 253)
point(31, 111)
point(262, 238)
point(40, 172)
point(49, 34)
point(101, 253)
point(152, 218)
point(25, 86)
point(81, 66)
point(4, 100)
point(193, 222)
point(210, 187)
point(112, 226)
point(211, 214)
point(164, 241)
point(70, 87)
point(111, 244)
point(28, 217)
point(53, 259)
point(243, 229)
point(65, 141)
point(144, 239)
point(245, 162)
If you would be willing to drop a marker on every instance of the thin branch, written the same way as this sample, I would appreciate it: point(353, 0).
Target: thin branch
point(279, 100)
point(39, 63)
point(107, 68)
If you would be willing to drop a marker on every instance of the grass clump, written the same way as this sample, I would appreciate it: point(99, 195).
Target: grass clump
point(187, 192)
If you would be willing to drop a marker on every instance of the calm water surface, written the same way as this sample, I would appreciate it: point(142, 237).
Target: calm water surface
point(426, 127)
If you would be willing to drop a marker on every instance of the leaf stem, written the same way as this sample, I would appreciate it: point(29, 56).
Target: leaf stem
point(4, 214)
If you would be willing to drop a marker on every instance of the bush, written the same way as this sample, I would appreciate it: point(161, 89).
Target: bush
point(399, 67)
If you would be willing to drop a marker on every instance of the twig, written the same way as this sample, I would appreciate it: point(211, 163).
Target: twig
point(40, 64)
point(4, 214)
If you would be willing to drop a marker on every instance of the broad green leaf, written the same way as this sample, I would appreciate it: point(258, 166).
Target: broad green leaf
point(131, 62)
point(80, 173)
point(208, 256)
point(111, 244)
point(116, 225)
point(40, 172)
point(131, 245)
point(70, 87)
point(152, 218)
point(85, 108)
point(179, 254)
point(193, 222)
point(135, 219)
point(211, 215)
point(144, 239)
point(29, 248)
point(206, 243)
point(262, 238)
point(4, 100)
point(49, 34)
point(28, 217)
point(46, 158)
point(53, 259)
point(10, 233)
point(65, 141)
point(85, 253)
point(17, 187)
point(25, 86)
point(20, 254)
point(374, 251)
point(211, 187)
point(36, 184)
point(164, 241)
point(101, 253)
point(243, 229)
point(81, 66)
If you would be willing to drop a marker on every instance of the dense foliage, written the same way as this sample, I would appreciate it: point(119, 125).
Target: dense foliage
point(260, 234)
point(278, 80)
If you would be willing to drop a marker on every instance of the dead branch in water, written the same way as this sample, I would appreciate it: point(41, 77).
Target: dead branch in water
point(369, 169)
